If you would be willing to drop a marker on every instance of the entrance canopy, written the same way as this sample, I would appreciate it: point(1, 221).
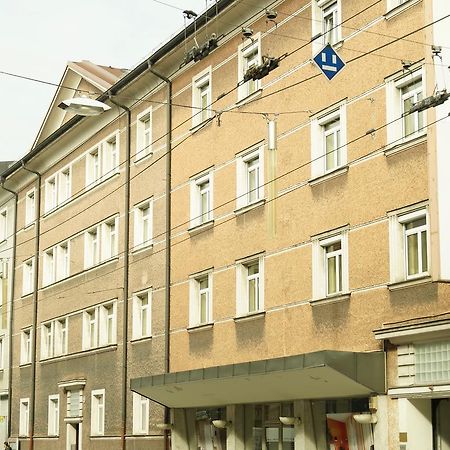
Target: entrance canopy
point(319, 375)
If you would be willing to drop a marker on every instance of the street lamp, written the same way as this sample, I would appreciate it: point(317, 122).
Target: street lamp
point(84, 106)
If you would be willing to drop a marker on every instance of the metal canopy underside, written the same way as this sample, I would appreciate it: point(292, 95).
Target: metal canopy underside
point(319, 375)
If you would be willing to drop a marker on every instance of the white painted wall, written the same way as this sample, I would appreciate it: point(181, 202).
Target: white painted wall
point(414, 418)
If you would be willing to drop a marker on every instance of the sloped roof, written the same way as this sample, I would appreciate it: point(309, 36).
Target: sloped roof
point(85, 76)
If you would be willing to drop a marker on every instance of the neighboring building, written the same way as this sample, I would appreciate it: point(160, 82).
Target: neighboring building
point(7, 215)
point(271, 295)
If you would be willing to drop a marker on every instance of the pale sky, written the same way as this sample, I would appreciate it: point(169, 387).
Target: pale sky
point(37, 38)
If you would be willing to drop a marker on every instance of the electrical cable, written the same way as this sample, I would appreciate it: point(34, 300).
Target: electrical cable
point(58, 294)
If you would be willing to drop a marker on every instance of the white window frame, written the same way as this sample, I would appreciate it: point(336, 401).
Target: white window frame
point(197, 215)
point(54, 338)
point(3, 224)
point(102, 318)
point(201, 113)
point(249, 54)
point(58, 189)
point(24, 416)
point(64, 185)
point(30, 207)
point(195, 293)
point(320, 244)
point(56, 263)
point(102, 160)
point(141, 414)
point(143, 149)
point(25, 346)
point(243, 176)
point(398, 244)
point(53, 415)
point(243, 279)
point(318, 140)
point(101, 242)
point(51, 193)
point(138, 315)
point(143, 225)
point(98, 412)
point(394, 106)
point(319, 7)
point(28, 276)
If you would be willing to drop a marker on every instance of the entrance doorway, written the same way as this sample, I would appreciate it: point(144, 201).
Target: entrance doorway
point(73, 436)
point(441, 424)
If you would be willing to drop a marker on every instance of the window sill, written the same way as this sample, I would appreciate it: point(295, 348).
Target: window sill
point(201, 327)
point(23, 365)
point(400, 8)
point(75, 419)
point(28, 226)
point(142, 159)
point(328, 176)
point(406, 144)
point(250, 316)
point(141, 248)
point(201, 125)
point(249, 207)
point(82, 353)
point(3, 241)
point(141, 339)
point(249, 98)
point(201, 228)
point(25, 296)
point(409, 283)
point(341, 297)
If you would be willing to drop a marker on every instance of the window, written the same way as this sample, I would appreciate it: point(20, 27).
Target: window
point(65, 185)
point(50, 194)
point(142, 314)
point(24, 414)
point(432, 362)
point(58, 189)
point(201, 204)
point(250, 177)
point(250, 286)
point(54, 338)
point(98, 412)
point(75, 402)
point(109, 241)
point(330, 264)
point(201, 97)
point(144, 134)
point(25, 346)
point(249, 55)
point(28, 277)
point(56, 263)
point(143, 224)
point(141, 408)
point(326, 22)
point(102, 161)
point(101, 242)
point(200, 300)
point(30, 207)
point(53, 415)
point(328, 141)
point(402, 92)
point(409, 245)
point(100, 326)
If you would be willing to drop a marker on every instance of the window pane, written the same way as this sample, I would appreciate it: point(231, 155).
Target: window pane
point(253, 294)
point(203, 307)
point(331, 275)
point(416, 223)
point(424, 252)
point(413, 254)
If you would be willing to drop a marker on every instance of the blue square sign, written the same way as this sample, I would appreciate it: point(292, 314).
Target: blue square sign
point(329, 62)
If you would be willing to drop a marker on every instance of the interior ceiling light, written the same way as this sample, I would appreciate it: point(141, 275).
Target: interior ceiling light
point(84, 106)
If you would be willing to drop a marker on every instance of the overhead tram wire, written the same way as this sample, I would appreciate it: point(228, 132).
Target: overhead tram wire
point(275, 179)
point(259, 98)
point(58, 294)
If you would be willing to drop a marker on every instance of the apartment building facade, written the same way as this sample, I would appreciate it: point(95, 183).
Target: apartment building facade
point(264, 256)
